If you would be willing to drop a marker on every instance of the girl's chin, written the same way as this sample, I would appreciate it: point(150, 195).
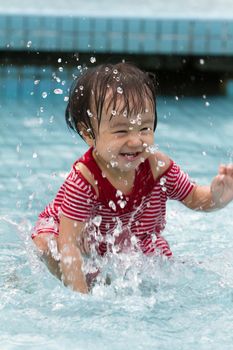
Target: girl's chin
point(129, 164)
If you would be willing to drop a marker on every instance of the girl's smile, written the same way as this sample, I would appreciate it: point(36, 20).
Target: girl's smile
point(121, 143)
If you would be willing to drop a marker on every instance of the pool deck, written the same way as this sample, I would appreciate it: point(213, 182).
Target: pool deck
point(183, 27)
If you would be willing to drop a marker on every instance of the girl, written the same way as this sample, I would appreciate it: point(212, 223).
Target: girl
point(114, 198)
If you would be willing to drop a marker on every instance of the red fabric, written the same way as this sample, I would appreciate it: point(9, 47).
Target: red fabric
point(134, 220)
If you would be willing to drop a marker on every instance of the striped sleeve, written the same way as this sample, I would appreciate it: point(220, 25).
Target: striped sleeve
point(78, 200)
point(178, 185)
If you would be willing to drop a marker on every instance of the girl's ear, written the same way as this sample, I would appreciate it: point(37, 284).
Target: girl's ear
point(87, 136)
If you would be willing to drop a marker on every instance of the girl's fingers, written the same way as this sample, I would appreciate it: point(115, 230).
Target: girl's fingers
point(222, 169)
point(229, 170)
point(226, 169)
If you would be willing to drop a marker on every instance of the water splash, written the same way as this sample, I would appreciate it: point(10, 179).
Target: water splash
point(120, 90)
point(151, 149)
point(112, 205)
point(58, 91)
point(92, 59)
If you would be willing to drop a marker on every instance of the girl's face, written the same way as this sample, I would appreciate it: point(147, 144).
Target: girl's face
point(123, 142)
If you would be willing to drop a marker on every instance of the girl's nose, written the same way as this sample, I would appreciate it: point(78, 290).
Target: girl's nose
point(134, 139)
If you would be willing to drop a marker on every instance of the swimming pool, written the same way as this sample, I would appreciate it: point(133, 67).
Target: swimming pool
point(150, 304)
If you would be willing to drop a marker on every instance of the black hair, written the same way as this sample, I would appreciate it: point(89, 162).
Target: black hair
point(123, 80)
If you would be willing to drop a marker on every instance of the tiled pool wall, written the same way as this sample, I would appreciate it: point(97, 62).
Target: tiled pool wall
point(158, 42)
point(114, 35)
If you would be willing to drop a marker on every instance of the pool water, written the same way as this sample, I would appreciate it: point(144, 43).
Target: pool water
point(186, 303)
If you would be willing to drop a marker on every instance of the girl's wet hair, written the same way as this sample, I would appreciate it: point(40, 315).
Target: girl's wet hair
point(109, 84)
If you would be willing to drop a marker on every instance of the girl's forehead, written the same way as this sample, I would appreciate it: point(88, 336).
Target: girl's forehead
point(145, 117)
point(127, 108)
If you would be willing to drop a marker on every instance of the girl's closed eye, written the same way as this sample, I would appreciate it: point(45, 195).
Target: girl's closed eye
point(120, 132)
point(146, 129)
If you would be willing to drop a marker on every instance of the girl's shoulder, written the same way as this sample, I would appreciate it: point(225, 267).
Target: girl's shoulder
point(159, 163)
point(87, 175)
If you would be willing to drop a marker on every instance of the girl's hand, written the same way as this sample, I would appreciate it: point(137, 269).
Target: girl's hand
point(222, 186)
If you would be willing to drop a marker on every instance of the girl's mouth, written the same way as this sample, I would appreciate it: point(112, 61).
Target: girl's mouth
point(130, 156)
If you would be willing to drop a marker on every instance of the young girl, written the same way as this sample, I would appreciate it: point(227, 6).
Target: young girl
point(114, 198)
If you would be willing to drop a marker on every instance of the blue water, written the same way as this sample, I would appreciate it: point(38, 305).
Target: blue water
point(184, 304)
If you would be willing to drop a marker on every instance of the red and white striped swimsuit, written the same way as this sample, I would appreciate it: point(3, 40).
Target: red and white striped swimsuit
point(140, 216)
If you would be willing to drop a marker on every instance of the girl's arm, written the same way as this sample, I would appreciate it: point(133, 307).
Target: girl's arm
point(215, 196)
point(70, 255)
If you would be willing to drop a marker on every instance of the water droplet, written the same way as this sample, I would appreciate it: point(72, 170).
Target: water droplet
point(58, 91)
point(164, 189)
point(125, 114)
point(162, 181)
point(115, 71)
point(204, 153)
point(90, 115)
point(176, 98)
point(151, 149)
point(207, 104)
point(106, 69)
point(36, 82)
point(112, 205)
point(114, 112)
point(59, 60)
point(133, 240)
point(120, 90)
point(119, 193)
point(44, 94)
point(161, 163)
point(122, 203)
point(97, 220)
point(34, 155)
point(202, 61)
point(66, 98)
point(92, 59)
point(29, 43)
point(113, 163)
point(81, 87)
point(132, 121)
point(153, 238)
point(60, 69)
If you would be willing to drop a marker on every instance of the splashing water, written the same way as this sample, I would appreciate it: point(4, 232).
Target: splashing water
point(161, 163)
point(120, 90)
point(113, 163)
point(58, 91)
point(138, 301)
point(151, 149)
point(92, 59)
